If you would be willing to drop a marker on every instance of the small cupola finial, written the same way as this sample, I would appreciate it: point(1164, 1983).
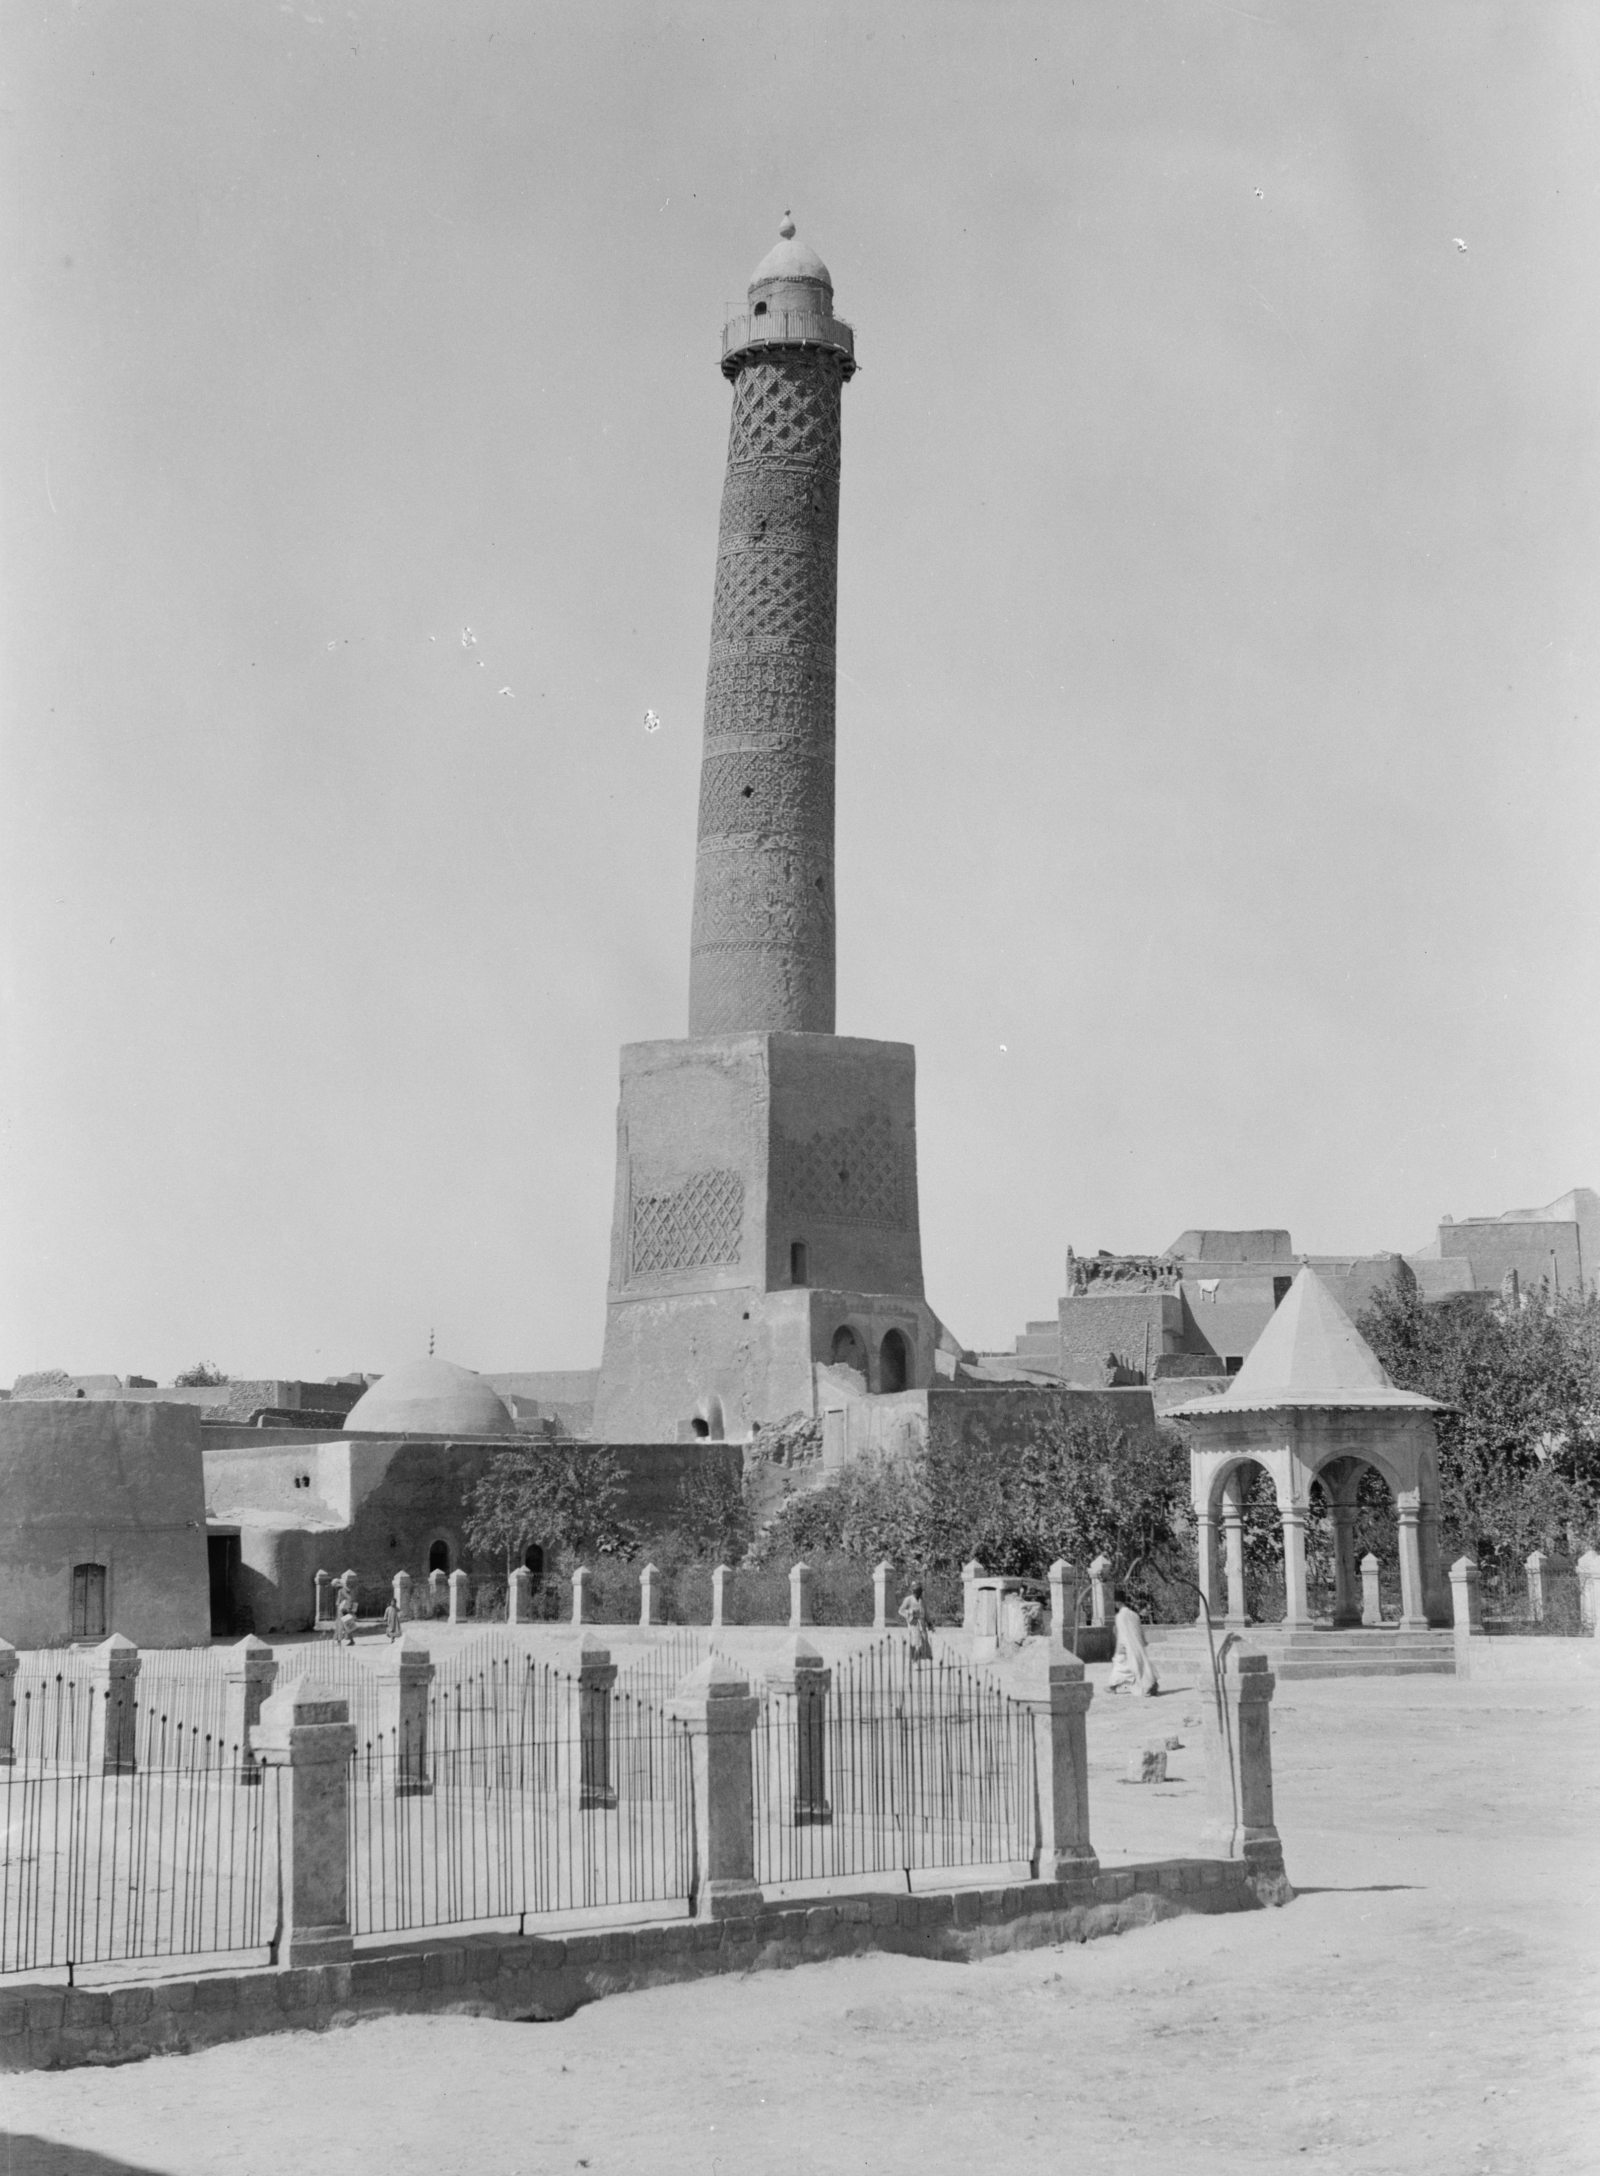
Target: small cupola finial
point(786, 226)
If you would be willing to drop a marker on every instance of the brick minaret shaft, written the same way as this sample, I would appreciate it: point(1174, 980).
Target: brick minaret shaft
point(762, 951)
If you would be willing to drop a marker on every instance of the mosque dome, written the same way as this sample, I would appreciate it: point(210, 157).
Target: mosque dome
point(430, 1398)
point(791, 260)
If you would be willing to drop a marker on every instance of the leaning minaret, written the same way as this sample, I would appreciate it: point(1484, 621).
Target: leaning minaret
point(762, 952)
point(766, 1255)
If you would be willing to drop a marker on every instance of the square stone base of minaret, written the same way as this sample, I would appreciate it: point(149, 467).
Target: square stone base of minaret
point(765, 1225)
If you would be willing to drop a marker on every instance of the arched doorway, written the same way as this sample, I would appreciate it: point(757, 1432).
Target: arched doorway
point(848, 1350)
point(439, 1556)
point(533, 1562)
point(894, 1362)
point(707, 1423)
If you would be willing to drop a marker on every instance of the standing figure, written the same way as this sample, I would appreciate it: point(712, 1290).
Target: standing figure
point(391, 1620)
point(1131, 1666)
point(914, 1616)
point(344, 1623)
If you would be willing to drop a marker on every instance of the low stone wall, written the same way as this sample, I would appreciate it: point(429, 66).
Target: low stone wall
point(542, 1977)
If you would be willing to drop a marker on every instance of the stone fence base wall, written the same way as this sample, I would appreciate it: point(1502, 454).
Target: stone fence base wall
point(539, 1977)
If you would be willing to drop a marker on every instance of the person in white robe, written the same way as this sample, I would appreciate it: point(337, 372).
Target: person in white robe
point(1131, 1667)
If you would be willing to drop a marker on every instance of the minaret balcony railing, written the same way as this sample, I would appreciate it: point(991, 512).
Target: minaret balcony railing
point(784, 329)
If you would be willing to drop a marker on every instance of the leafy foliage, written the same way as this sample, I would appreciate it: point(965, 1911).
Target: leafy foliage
point(1074, 1487)
point(201, 1376)
point(565, 1496)
point(1519, 1443)
point(714, 1514)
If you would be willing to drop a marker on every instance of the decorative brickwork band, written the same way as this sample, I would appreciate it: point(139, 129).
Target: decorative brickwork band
point(763, 946)
point(692, 1223)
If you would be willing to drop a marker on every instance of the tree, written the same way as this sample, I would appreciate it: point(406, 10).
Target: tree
point(714, 1514)
point(201, 1376)
point(567, 1496)
point(1075, 1486)
point(1519, 1439)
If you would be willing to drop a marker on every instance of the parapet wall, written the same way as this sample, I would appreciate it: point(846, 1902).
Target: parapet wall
point(543, 1977)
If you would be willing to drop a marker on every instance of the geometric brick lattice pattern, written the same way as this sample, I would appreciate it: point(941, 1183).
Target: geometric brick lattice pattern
point(787, 408)
point(853, 1175)
point(693, 1225)
point(762, 954)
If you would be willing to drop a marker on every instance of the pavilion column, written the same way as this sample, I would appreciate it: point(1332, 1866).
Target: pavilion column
point(1233, 1550)
point(1205, 1534)
point(1346, 1600)
point(1296, 1603)
point(1413, 1606)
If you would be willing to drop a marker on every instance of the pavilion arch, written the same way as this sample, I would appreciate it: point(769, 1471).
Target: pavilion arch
point(1312, 1403)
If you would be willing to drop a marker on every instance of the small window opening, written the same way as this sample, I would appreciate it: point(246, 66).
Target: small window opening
point(761, 309)
point(797, 1261)
point(1234, 1362)
point(746, 792)
point(88, 1602)
point(700, 1426)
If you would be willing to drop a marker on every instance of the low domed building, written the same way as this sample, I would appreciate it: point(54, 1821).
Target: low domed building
point(430, 1397)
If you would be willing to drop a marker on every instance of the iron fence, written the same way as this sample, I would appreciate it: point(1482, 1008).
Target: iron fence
point(168, 1851)
point(904, 1765)
point(524, 1795)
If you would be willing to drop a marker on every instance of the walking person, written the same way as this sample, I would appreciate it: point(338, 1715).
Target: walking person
point(1131, 1667)
point(344, 1623)
point(914, 1616)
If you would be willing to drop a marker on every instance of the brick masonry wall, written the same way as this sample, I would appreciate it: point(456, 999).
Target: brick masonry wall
point(538, 1977)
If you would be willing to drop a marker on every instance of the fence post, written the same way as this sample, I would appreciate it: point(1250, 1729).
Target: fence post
point(248, 1674)
point(519, 1596)
point(800, 1596)
point(405, 1682)
point(1535, 1571)
point(882, 1573)
point(971, 1573)
point(1063, 1601)
point(802, 1674)
point(8, 1704)
point(715, 1706)
point(323, 1605)
point(1238, 1733)
point(650, 1595)
point(306, 1734)
point(401, 1584)
point(1371, 1604)
point(719, 1595)
point(460, 1587)
point(1589, 1593)
point(1102, 1594)
point(580, 1595)
point(1466, 1610)
point(597, 1673)
point(113, 1683)
point(1050, 1684)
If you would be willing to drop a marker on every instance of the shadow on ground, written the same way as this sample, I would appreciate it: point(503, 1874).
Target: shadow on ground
point(24, 2154)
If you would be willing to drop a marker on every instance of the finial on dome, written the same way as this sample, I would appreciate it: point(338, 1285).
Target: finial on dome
point(786, 226)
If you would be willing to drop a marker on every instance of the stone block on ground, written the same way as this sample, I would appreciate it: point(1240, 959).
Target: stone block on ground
point(1147, 1766)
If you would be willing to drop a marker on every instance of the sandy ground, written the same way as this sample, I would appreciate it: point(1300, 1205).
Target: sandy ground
point(1431, 2003)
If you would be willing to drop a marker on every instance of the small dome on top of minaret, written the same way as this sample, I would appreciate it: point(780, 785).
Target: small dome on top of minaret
point(791, 260)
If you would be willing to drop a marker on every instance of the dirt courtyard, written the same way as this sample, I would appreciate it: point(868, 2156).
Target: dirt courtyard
point(1431, 2003)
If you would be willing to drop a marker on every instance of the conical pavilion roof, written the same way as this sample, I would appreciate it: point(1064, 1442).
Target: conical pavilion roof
point(1310, 1353)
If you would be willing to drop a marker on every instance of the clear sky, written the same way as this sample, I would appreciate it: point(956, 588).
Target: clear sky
point(1217, 633)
